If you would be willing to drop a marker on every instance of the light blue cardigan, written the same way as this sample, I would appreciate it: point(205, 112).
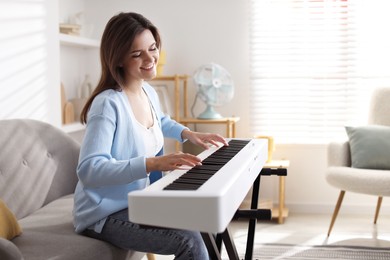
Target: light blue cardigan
point(112, 161)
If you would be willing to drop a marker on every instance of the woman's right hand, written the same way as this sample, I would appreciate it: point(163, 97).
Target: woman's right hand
point(171, 162)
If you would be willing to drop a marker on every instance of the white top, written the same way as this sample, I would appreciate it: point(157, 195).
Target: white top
point(152, 137)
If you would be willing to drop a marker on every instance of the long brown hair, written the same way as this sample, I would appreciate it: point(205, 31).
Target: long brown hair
point(118, 36)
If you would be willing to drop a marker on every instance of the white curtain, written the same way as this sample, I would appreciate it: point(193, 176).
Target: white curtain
point(312, 68)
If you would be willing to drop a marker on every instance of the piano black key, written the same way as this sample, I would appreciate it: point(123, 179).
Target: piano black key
point(181, 186)
point(228, 150)
point(225, 158)
point(223, 154)
point(206, 172)
point(189, 181)
point(215, 162)
point(207, 167)
point(236, 141)
point(198, 176)
point(211, 160)
point(169, 187)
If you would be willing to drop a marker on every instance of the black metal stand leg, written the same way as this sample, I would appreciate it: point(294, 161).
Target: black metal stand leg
point(229, 245)
point(252, 222)
point(212, 248)
point(218, 241)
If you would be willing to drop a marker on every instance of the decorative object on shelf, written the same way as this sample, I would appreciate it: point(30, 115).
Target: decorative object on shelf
point(87, 30)
point(271, 145)
point(70, 29)
point(86, 87)
point(83, 93)
point(215, 88)
point(161, 62)
point(67, 108)
point(78, 105)
point(73, 25)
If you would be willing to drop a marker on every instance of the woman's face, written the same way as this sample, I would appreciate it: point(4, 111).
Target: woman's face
point(141, 61)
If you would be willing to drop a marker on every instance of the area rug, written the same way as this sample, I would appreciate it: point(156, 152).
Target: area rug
point(306, 252)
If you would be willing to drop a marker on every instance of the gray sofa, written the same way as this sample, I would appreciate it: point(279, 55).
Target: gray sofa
point(37, 179)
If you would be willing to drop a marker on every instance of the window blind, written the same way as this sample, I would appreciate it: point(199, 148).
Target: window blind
point(306, 77)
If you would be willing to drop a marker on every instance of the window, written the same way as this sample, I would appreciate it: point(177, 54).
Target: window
point(312, 68)
point(26, 62)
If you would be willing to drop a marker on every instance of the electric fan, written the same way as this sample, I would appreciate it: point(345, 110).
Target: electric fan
point(215, 88)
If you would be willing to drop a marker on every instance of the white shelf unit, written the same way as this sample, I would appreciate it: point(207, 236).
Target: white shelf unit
point(78, 41)
point(73, 127)
point(77, 54)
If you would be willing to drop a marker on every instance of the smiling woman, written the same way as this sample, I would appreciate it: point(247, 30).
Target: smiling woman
point(122, 150)
point(27, 73)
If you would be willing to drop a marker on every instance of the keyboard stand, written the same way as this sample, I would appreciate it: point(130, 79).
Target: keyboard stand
point(214, 243)
point(254, 213)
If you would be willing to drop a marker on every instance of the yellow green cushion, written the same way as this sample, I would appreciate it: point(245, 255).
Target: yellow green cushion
point(9, 226)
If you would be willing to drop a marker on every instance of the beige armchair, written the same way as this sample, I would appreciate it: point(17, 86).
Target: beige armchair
point(343, 176)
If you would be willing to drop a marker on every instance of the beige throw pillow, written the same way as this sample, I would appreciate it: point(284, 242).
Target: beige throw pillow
point(9, 226)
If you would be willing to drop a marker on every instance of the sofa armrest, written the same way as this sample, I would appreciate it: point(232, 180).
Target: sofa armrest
point(8, 250)
point(339, 154)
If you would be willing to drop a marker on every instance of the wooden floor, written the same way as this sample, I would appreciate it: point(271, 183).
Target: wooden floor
point(312, 229)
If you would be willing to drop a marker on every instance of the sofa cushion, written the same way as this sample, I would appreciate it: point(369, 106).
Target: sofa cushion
point(371, 182)
point(9, 251)
point(37, 164)
point(27, 170)
point(48, 233)
point(9, 226)
point(370, 146)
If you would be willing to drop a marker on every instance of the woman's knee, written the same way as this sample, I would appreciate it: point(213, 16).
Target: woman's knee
point(192, 247)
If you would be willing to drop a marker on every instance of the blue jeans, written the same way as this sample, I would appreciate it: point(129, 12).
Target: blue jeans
point(119, 231)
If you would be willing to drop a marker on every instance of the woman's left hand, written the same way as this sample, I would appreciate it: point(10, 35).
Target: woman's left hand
point(203, 139)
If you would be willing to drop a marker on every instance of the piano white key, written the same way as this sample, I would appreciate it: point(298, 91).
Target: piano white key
point(211, 207)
